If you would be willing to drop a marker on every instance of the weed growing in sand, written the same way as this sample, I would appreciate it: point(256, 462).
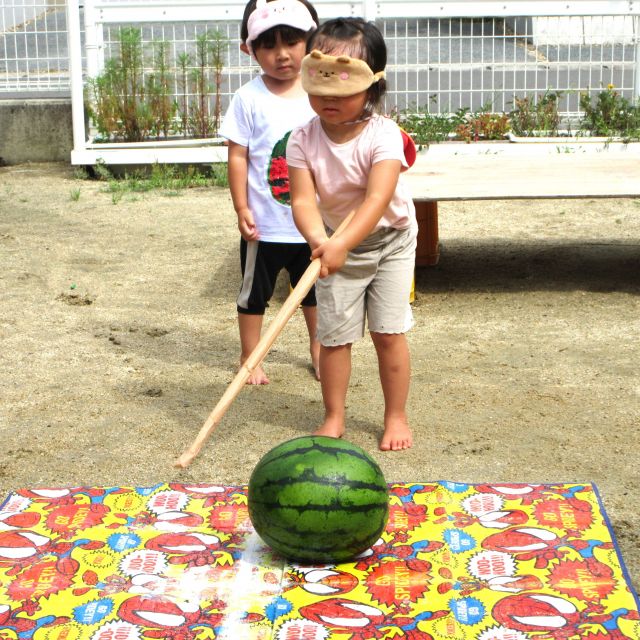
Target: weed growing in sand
point(170, 180)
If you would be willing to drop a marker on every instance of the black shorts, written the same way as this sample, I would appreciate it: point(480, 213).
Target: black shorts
point(261, 262)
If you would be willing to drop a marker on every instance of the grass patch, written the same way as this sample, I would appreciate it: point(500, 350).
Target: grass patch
point(170, 180)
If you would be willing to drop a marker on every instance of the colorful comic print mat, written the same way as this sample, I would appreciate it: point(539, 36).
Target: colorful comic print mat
point(182, 562)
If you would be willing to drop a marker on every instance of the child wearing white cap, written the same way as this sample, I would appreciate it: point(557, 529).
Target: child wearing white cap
point(257, 124)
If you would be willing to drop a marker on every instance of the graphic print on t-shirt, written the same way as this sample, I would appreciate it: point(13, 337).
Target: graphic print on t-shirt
point(278, 172)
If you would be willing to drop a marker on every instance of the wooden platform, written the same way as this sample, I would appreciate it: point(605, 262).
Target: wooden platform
point(515, 171)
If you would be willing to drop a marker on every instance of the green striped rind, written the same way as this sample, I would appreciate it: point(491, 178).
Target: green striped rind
point(317, 498)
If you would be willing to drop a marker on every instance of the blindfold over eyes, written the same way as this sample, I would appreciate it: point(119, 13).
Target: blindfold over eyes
point(325, 75)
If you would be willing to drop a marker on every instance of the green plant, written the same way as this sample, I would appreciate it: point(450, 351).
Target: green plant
point(425, 127)
point(116, 104)
point(159, 92)
point(531, 115)
point(202, 121)
point(184, 62)
point(219, 176)
point(167, 178)
point(128, 104)
point(102, 171)
point(218, 49)
point(75, 194)
point(608, 113)
point(483, 125)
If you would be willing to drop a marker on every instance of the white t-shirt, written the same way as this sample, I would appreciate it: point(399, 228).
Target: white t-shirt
point(260, 120)
point(341, 171)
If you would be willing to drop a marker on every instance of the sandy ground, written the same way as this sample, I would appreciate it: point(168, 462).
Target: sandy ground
point(118, 336)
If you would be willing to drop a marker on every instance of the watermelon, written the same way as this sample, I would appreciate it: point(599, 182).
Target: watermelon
point(318, 499)
point(278, 171)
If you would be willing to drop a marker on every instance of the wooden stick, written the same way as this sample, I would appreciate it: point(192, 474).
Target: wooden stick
point(256, 356)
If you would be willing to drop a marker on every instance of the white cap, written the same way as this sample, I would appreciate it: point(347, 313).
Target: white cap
point(266, 15)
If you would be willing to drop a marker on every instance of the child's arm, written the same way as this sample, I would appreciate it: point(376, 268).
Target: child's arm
point(304, 206)
point(381, 186)
point(238, 173)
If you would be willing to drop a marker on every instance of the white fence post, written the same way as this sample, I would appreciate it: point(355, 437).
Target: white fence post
point(93, 40)
point(75, 76)
point(369, 9)
point(636, 78)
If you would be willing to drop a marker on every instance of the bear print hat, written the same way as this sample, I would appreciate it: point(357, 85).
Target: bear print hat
point(325, 75)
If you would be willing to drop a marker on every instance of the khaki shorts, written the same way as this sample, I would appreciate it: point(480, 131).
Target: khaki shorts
point(374, 284)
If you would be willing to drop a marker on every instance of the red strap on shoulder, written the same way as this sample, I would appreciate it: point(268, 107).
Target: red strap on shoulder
point(409, 145)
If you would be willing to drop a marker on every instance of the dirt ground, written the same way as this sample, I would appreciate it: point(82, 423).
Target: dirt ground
point(118, 336)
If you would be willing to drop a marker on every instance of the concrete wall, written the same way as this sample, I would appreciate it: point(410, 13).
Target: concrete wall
point(35, 130)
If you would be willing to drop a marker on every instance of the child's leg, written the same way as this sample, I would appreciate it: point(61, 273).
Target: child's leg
point(311, 318)
point(250, 327)
point(335, 365)
point(260, 263)
point(395, 371)
point(389, 318)
point(300, 255)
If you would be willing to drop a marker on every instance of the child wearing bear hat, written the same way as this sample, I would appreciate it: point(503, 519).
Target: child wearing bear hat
point(349, 159)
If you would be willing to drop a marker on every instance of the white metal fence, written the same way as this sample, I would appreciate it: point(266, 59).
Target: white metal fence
point(457, 62)
point(34, 54)
point(443, 56)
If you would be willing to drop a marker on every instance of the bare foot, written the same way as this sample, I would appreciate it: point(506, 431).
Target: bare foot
point(396, 436)
point(258, 376)
point(330, 428)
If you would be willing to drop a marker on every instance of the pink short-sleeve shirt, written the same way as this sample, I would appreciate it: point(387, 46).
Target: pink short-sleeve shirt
point(341, 171)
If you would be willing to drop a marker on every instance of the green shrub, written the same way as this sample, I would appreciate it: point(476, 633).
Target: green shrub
point(127, 104)
point(425, 127)
point(608, 113)
point(535, 114)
